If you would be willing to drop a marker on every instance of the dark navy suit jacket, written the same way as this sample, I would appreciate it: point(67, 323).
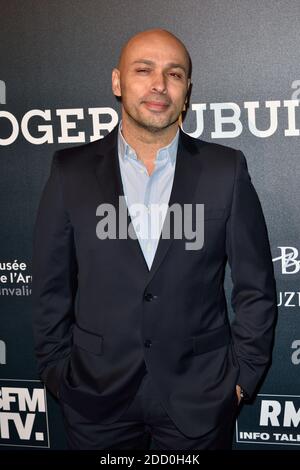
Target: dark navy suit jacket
point(101, 318)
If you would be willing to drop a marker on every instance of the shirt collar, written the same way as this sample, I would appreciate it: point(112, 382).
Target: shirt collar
point(169, 152)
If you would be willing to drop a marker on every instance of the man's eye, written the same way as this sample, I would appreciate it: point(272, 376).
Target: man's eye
point(175, 75)
point(143, 70)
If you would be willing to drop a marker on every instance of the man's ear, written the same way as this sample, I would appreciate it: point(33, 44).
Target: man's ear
point(189, 88)
point(188, 95)
point(115, 80)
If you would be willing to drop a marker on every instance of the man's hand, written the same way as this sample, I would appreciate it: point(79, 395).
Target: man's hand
point(238, 392)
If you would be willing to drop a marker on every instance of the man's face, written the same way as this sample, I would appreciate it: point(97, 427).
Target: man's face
point(152, 81)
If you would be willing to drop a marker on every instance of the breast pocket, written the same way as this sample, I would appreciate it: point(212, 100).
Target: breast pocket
point(213, 214)
point(214, 230)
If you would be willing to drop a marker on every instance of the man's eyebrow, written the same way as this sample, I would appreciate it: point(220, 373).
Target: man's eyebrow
point(173, 65)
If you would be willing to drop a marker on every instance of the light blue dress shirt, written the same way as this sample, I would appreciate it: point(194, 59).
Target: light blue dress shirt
point(150, 193)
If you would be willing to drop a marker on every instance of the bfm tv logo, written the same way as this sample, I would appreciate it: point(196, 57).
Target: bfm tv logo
point(276, 421)
point(23, 413)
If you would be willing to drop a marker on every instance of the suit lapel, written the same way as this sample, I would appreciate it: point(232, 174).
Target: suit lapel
point(111, 188)
point(185, 181)
point(186, 178)
point(108, 170)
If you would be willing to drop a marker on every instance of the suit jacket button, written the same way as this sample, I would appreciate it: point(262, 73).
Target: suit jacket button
point(148, 343)
point(148, 297)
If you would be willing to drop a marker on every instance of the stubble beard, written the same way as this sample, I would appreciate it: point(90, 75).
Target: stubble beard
point(153, 128)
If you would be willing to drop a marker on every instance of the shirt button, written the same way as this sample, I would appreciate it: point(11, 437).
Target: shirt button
point(148, 343)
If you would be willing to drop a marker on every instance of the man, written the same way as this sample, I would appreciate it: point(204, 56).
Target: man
point(132, 334)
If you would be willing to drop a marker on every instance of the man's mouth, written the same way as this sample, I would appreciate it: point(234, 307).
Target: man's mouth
point(156, 105)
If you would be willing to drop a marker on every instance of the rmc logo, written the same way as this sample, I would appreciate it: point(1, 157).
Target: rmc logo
point(273, 419)
point(23, 413)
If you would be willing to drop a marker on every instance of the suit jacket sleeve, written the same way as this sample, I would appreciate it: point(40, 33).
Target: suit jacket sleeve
point(253, 299)
point(54, 280)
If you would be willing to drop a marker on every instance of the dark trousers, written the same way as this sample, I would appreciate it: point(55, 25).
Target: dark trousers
point(144, 425)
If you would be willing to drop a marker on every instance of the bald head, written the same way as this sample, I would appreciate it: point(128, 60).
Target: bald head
point(160, 37)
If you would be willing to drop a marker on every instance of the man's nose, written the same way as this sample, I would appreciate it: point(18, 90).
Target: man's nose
point(159, 83)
